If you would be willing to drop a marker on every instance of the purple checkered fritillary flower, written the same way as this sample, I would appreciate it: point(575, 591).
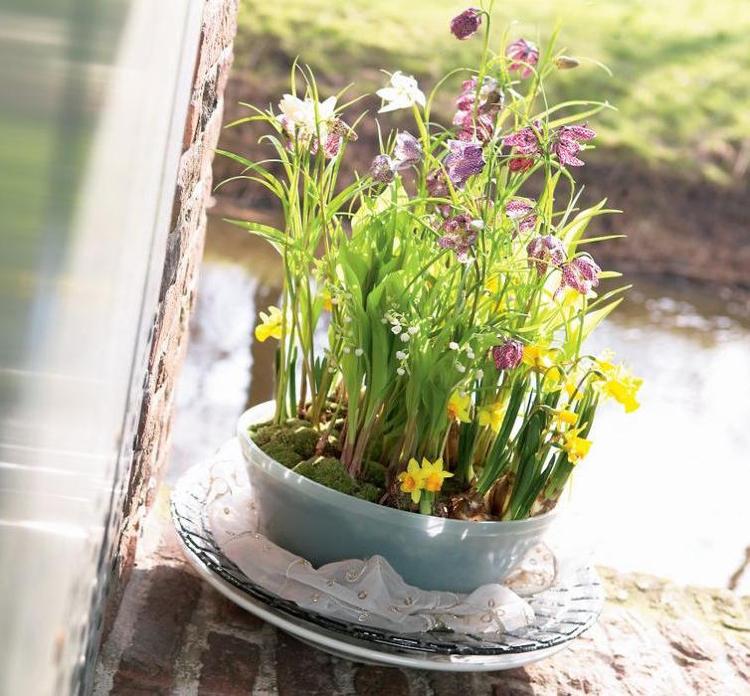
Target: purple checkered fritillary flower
point(407, 151)
point(566, 143)
point(466, 24)
point(524, 54)
point(383, 169)
point(526, 144)
point(521, 212)
point(509, 355)
point(458, 235)
point(464, 161)
point(478, 124)
point(581, 274)
point(544, 251)
point(436, 184)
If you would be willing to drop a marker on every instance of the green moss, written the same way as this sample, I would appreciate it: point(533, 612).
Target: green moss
point(368, 491)
point(282, 452)
point(294, 423)
point(329, 472)
point(373, 472)
point(266, 433)
point(304, 441)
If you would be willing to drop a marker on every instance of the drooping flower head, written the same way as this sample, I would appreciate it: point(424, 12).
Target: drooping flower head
point(336, 132)
point(478, 123)
point(383, 169)
point(466, 24)
point(575, 447)
point(526, 148)
point(566, 143)
point(407, 151)
point(538, 357)
point(402, 93)
point(464, 160)
point(492, 415)
point(565, 417)
point(298, 119)
point(508, 356)
point(581, 274)
point(544, 251)
point(521, 212)
point(436, 184)
point(270, 326)
point(458, 408)
point(619, 384)
point(524, 54)
point(458, 235)
point(332, 145)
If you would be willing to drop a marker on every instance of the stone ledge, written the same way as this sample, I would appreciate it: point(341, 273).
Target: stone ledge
point(175, 634)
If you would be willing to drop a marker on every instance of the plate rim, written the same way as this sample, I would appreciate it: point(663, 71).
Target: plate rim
point(316, 636)
point(353, 646)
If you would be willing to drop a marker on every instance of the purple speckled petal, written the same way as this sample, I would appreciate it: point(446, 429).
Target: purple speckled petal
point(509, 355)
point(464, 161)
point(466, 24)
point(407, 151)
point(382, 169)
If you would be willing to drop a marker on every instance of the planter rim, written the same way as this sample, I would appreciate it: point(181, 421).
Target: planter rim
point(264, 411)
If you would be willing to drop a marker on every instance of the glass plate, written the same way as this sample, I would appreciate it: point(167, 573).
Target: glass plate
point(562, 612)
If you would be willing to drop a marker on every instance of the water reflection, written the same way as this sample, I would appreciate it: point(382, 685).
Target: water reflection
point(663, 490)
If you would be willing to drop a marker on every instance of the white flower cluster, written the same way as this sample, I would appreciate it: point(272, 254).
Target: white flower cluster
point(465, 350)
point(400, 328)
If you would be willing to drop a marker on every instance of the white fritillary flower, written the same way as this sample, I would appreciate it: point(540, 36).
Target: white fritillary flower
point(402, 93)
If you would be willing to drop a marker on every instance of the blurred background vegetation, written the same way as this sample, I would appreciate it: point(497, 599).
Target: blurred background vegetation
point(680, 69)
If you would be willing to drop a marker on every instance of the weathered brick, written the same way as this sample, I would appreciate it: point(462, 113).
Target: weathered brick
point(376, 681)
point(148, 661)
point(301, 669)
point(517, 682)
point(218, 30)
point(454, 683)
point(228, 613)
point(230, 666)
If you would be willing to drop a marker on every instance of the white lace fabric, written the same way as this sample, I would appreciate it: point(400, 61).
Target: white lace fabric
point(367, 591)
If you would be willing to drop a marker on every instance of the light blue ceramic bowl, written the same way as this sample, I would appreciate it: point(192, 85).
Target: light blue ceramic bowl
point(323, 525)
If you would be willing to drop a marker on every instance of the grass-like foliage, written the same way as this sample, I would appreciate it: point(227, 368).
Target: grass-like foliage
point(455, 282)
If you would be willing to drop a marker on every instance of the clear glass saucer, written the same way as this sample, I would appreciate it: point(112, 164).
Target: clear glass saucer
point(562, 612)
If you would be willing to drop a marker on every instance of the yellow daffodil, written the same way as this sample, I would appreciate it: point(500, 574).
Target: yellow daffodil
point(458, 407)
point(327, 301)
point(492, 284)
point(433, 475)
point(553, 374)
point(568, 297)
point(575, 447)
point(270, 326)
point(619, 384)
point(492, 415)
point(537, 356)
point(412, 480)
point(624, 390)
point(565, 417)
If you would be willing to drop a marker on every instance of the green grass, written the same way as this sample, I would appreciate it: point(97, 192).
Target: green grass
point(681, 69)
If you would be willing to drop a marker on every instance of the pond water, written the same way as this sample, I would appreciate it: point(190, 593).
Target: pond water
point(664, 490)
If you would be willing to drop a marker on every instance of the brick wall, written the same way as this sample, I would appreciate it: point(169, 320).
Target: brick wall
point(178, 286)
